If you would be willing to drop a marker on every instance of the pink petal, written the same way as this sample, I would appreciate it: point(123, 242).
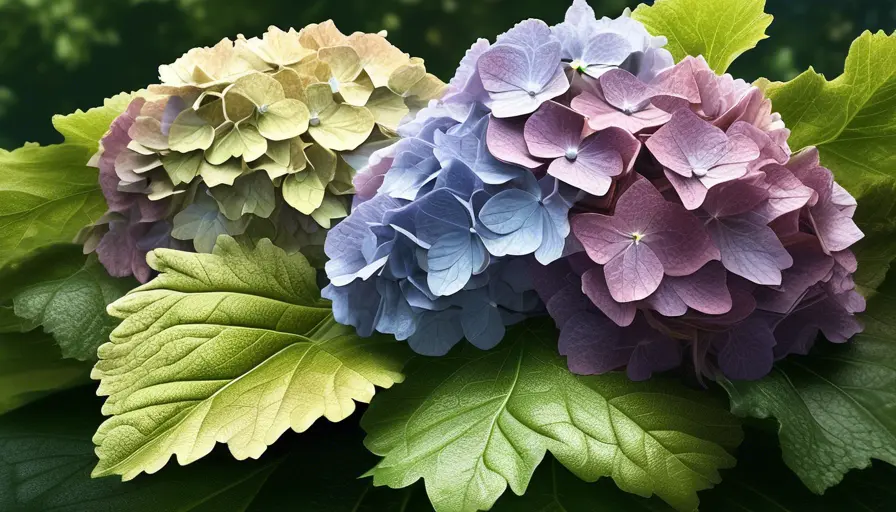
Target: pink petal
point(553, 130)
point(601, 235)
point(687, 142)
point(633, 274)
point(594, 285)
point(506, 142)
point(593, 168)
point(810, 265)
point(749, 248)
point(665, 301)
point(691, 191)
point(623, 90)
point(785, 192)
point(679, 241)
point(705, 290)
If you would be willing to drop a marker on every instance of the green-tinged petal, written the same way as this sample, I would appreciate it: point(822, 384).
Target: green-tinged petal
point(341, 183)
point(237, 141)
point(473, 423)
point(202, 223)
point(378, 57)
point(720, 30)
point(190, 132)
point(223, 174)
point(388, 108)
point(403, 78)
point(234, 347)
point(356, 92)
point(318, 97)
point(252, 194)
point(293, 83)
point(237, 106)
point(283, 120)
point(331, 208)
point(342, 127)
point(182, 167)
point(428, 88)
point(260, 88)
point(304, 191)
point(344, 62)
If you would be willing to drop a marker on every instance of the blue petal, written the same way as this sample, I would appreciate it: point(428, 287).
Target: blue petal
point(450, 262)
point(356, 304)
point(437, 333)
point(510, 211)
point(457, 177)
point(482, 325)
point(440, 212)
point(408, 175)
point(395, 315)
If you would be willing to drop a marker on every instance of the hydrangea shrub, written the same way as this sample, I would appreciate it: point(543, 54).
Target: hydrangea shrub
point(659, 210)
point(254, 137)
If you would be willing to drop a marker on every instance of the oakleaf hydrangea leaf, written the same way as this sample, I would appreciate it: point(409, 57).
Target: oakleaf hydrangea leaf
point(720, 30)
point(215, 333)
point(834, 407)
point(47, 194)
point(473, 424)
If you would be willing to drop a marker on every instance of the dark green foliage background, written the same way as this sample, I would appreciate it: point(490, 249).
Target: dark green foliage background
point(60, 55)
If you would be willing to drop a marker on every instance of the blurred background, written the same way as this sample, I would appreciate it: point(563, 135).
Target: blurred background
point(60, 55)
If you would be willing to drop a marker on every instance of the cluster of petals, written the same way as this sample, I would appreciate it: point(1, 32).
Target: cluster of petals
point(254, 137)
point(660, 210)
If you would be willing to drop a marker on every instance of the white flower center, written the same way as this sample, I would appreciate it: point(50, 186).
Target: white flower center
point(700, 172)
point(637, 236)
point(572, 154)
point(314, 121)
point(263, 109)
point(334, 85)
point(578, 65)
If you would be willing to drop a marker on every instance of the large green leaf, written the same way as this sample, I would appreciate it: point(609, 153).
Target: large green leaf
point(837, 406)
point(47, 194)
point(472, 423)
point(32, 367)
point(66, 293)
point(720, 30)
point(236, 347)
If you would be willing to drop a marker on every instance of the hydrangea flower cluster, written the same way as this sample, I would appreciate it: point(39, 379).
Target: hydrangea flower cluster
point(255, 137)
point(657, 205)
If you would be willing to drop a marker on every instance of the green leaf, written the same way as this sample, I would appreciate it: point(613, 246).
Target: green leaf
point(47, 194)
point(472, 423)
point(720, 30)
point(67, 293)
point(835, 407)
point(234, 347)
point(32, 367)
